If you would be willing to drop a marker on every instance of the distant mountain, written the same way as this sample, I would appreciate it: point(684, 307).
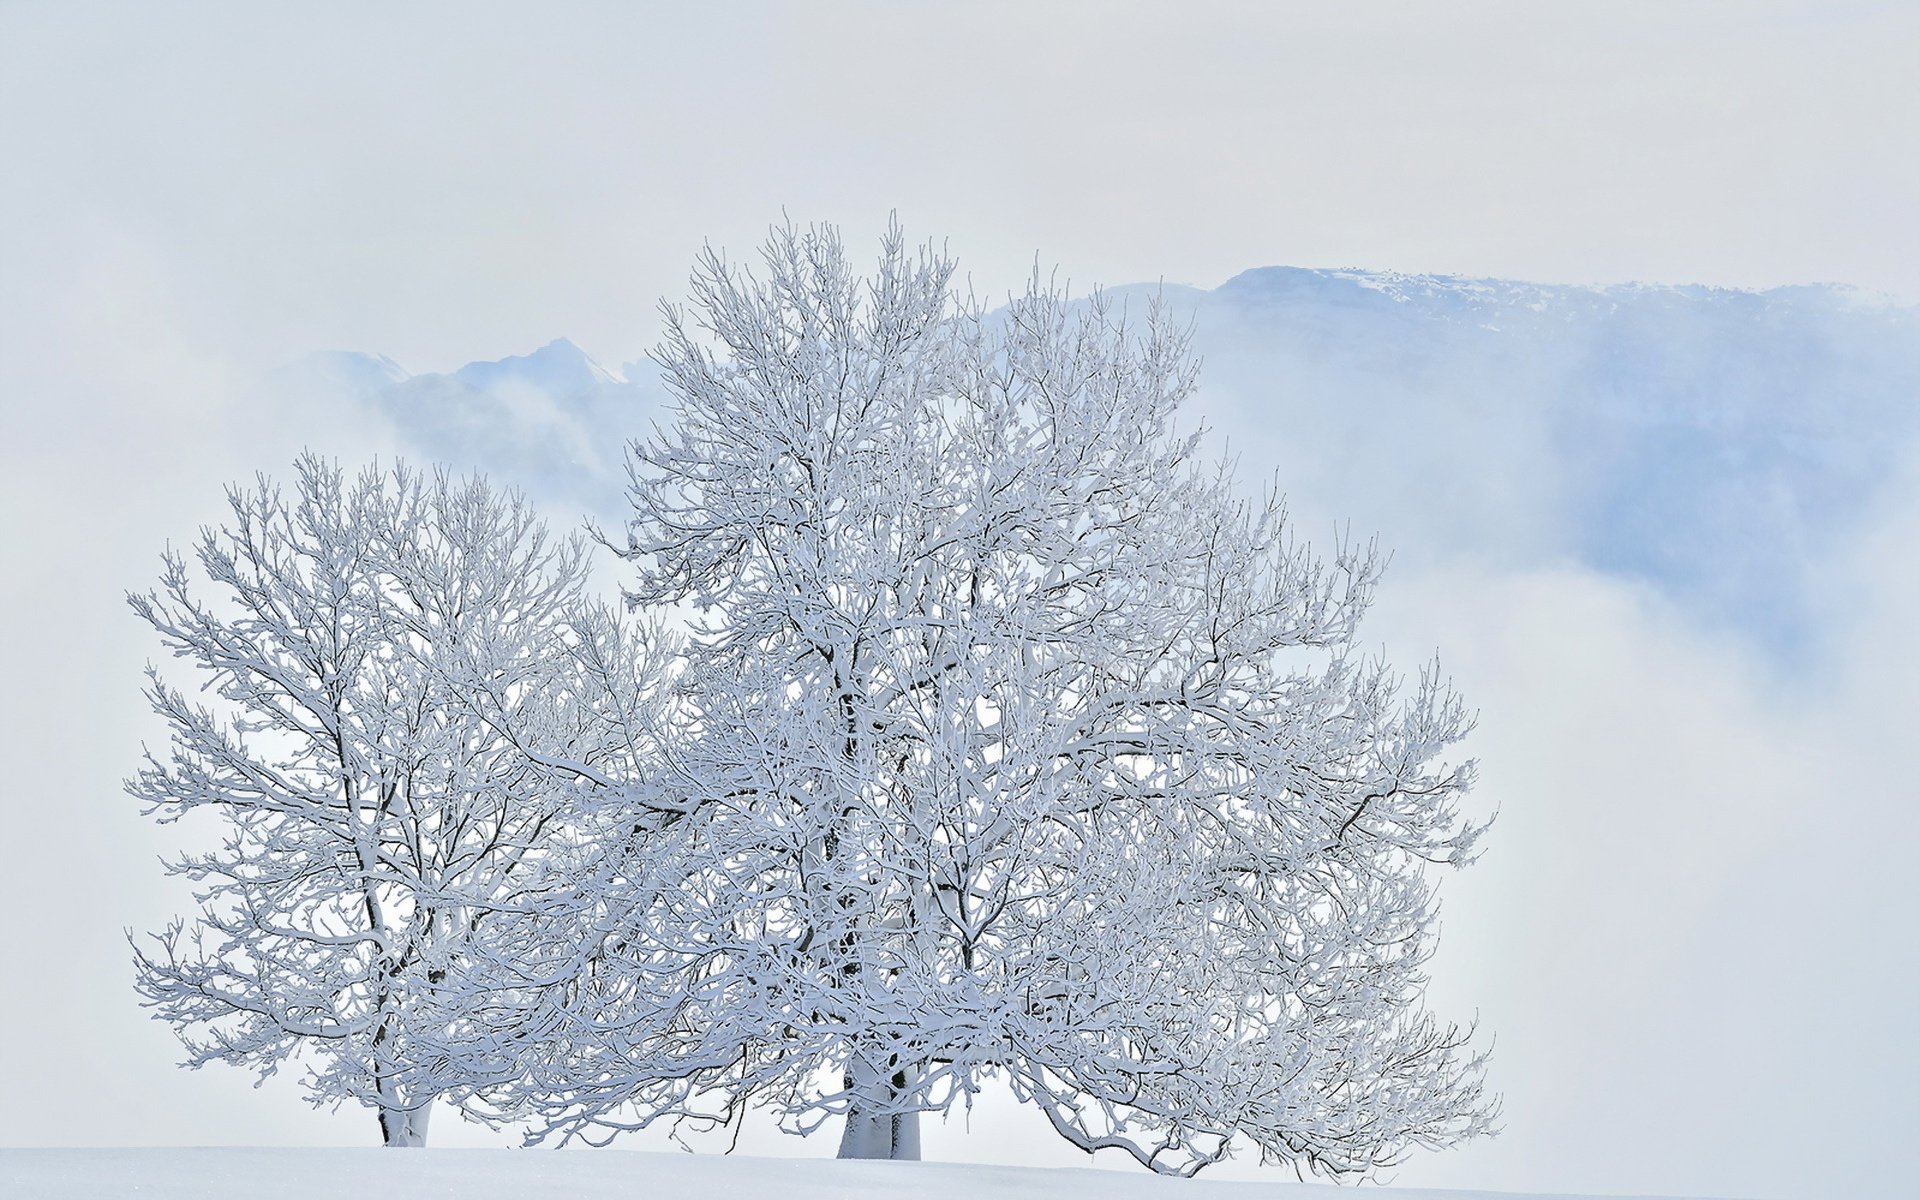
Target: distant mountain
point(342, 371)
point(1713, 443)
point(558, 368)
point(1709, 441)
point(553, 423)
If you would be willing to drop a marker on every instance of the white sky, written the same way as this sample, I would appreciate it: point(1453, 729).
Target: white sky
point(439, 186)
point(186, 200)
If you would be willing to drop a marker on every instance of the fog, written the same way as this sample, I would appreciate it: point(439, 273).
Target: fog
point(1691, 937)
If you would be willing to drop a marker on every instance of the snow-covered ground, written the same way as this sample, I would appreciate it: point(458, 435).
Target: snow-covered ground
point(374, 1174)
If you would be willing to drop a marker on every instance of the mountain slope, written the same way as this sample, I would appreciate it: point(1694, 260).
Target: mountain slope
point(1709, 443)
point(1715, 445)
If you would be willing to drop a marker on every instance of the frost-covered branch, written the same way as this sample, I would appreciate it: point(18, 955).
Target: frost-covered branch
point(1011, 742)
point(412, 704)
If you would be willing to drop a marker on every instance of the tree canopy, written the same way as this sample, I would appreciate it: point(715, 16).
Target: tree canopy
point(412, 699)
point(1011, 741)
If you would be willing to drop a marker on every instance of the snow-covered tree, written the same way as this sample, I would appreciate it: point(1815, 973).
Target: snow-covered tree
point(412, 707)
point(1011, 743)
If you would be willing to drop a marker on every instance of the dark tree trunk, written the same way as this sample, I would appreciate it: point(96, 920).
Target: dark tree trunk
point(882, 1135)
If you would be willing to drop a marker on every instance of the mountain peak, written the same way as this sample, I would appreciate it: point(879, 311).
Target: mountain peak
point(337, 371)
point(558, 365)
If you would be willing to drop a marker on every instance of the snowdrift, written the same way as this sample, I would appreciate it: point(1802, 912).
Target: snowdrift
point(376, 1174)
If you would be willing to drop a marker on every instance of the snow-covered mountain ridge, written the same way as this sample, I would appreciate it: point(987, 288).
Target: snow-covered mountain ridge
point(1495, 295)
point(1710, 442)
point(551, 422)
point(238, 1173)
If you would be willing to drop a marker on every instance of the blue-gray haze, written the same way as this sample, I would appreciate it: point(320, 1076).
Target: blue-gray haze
point(1713, 443)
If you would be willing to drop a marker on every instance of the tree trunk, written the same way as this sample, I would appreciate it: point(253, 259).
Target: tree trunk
point(882, 1136)
point(906, 1136)
point(405, 1126)
point(879, 1135)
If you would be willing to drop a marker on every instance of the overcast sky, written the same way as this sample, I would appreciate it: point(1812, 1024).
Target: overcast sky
point(1694, 931)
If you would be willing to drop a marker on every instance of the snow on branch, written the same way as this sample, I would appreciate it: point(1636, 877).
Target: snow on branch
point(1010, 741)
